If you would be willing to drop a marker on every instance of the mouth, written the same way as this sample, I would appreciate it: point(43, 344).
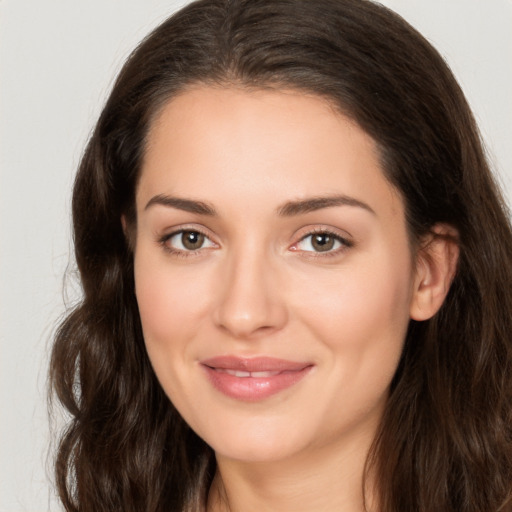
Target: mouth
point(253, 379)
point(242, 374)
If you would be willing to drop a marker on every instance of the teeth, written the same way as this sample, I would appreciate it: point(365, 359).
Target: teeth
point(263, 374)
point(240, 373)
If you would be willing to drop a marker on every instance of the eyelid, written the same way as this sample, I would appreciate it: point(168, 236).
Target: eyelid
point(176, 230)
point(344, 238)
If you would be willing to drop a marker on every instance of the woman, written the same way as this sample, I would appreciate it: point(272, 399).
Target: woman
point(296, 270)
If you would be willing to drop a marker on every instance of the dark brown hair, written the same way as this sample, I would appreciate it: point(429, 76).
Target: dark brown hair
point(444, 443)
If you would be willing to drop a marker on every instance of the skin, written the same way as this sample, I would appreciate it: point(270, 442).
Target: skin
point(258, 286)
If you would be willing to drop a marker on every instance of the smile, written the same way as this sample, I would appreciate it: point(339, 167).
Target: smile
point(253, 379)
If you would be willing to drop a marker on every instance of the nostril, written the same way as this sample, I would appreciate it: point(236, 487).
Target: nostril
point(248, 302)
point(249, 319)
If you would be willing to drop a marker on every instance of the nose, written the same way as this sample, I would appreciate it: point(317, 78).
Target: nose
point(250, 302)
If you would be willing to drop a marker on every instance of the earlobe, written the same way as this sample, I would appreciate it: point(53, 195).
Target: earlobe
point(436, 264)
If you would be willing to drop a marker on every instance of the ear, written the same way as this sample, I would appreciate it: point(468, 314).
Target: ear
point(436, 264)
point(124, 224)
point(128, 231)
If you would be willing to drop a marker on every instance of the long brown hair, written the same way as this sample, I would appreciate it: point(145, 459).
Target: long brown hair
point(445, 441)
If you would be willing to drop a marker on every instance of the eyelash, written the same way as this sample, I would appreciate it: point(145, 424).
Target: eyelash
point(344, 243)
point(163, 241)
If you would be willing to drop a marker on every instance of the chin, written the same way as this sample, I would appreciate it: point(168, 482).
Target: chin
point(257, 450)
point(259, 440)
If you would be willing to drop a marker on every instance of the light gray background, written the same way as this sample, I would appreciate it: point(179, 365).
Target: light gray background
point(57, 62)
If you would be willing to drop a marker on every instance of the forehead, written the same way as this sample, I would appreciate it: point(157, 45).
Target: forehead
point(231, 143)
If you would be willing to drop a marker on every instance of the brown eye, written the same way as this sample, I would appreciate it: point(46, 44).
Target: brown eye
point(187, 240)
point(322, 242)
point(192, 240)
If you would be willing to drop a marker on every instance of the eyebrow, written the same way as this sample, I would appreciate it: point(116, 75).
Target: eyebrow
point(187, 205)
point(289, 209)
point(312, 204)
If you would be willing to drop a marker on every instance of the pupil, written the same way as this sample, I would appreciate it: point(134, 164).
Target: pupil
point(323, 242)
point(192, 240)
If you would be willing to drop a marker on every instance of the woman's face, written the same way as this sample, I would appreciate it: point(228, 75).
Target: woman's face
point(273, 271)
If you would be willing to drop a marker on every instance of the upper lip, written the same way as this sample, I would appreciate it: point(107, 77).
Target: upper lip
point(254, 364)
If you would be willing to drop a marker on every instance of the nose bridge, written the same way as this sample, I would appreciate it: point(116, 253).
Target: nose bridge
point(249, 301)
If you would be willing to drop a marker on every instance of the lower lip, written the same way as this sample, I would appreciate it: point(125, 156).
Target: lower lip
point(252, 389)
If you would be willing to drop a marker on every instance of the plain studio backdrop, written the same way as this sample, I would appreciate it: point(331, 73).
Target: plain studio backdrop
point(58, 59)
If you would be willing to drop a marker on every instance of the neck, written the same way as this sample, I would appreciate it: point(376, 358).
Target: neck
point(329, 478)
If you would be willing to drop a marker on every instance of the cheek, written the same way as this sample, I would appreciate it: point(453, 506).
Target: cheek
point(166, 296)
point(361, 316)
point(360, 298)
point(171, 312)
point(172, 304)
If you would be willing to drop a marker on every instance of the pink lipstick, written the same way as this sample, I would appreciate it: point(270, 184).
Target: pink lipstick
point(253, 379)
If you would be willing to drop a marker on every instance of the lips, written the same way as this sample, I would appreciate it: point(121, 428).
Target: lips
point(253, 379)
point(242, 374)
